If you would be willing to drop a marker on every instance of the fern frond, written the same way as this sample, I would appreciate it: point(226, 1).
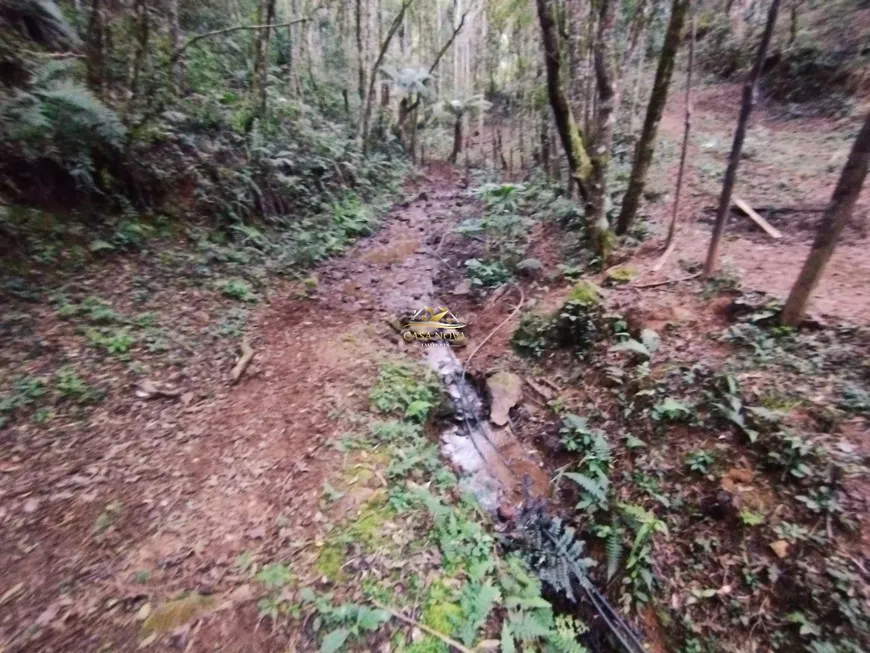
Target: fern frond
point(507, 639)
point(589, 484)
point(614, 552)
point(72, 102)
point(526, 627)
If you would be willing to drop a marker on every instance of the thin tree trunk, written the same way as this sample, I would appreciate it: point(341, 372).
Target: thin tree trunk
point(672, 228)
point(361, 73)
point(265, 16)
point(596, 221)
point(831, 227)
point(143, 24)
point(95, 42)
point(638, 81)
point(739, 136)
point(579, 165)
point(174, 31)
point(793, 26)
point(637, 35)
point(457, 139)
point(643, 153)
point(367, 105)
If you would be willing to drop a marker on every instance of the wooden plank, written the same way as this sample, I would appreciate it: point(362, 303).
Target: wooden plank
point(761, 222)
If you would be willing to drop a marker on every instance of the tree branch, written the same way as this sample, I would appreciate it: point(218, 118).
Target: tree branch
point(181, 50)
point(435, 64)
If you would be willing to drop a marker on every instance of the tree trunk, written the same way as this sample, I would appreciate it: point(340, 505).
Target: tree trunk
point(831, 227)
point(95, 61)
point(672, 228)
point(361, 73)
point(174, 31)
point(457, 139)
point(596, 211)
point(643, 152)
point(739, 136)
point(143, 33)
point(638, 80)
point(580, 167)
point(793, 26)
point(265, 16)
point(367, 104)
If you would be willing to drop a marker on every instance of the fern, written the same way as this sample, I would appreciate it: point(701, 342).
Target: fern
point(563, 639)
point(68, 101)
point(593, 487)
point(477, 601)
point(614, 551)
point(526, 627)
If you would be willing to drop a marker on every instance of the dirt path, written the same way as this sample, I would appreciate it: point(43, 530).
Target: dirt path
point(787, 164)
point(177, 494)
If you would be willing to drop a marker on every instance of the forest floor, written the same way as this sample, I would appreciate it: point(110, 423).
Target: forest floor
point(148, 504)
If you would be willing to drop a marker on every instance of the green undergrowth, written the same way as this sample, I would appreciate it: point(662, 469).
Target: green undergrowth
point(131, 321)
point(416, 545)
point(741, 474)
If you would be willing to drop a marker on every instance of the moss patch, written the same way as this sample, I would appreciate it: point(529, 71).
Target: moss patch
point(585, 292)
point(329, 563)
point(174, 614)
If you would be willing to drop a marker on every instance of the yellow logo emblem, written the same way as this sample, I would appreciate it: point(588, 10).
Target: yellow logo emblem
point(434, 326)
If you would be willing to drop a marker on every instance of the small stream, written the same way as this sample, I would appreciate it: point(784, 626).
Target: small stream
point(493, 464)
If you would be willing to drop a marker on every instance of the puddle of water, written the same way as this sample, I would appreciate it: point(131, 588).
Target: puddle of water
point(493, 464)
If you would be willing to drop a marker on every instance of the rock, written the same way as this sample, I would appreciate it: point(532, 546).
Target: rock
point(505, 391)
point(462, 288)
point(529, 266)
point(780, 548)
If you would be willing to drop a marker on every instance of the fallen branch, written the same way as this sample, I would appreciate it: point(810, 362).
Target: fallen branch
point(242, 364)
point(426, 629)
point(761, 222)
point(666, 281)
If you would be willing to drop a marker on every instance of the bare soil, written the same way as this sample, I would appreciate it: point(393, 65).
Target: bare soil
point(140, 500)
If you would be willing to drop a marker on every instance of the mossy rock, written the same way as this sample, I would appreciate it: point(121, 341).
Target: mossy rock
point(176, 613)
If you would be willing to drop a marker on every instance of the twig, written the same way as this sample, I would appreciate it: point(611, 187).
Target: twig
point(175, 55)
point(411, 622)
point(495, 330)
point(242, 364)
point(666, 281)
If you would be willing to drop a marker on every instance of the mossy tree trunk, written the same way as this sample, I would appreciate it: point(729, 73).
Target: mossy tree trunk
point(572, 139)
point(580, 166)
point(643, 153)
point(739, 137)
point(596, 209)
point(831, 227)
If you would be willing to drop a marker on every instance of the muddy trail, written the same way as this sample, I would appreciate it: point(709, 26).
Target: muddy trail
point(160, 498)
